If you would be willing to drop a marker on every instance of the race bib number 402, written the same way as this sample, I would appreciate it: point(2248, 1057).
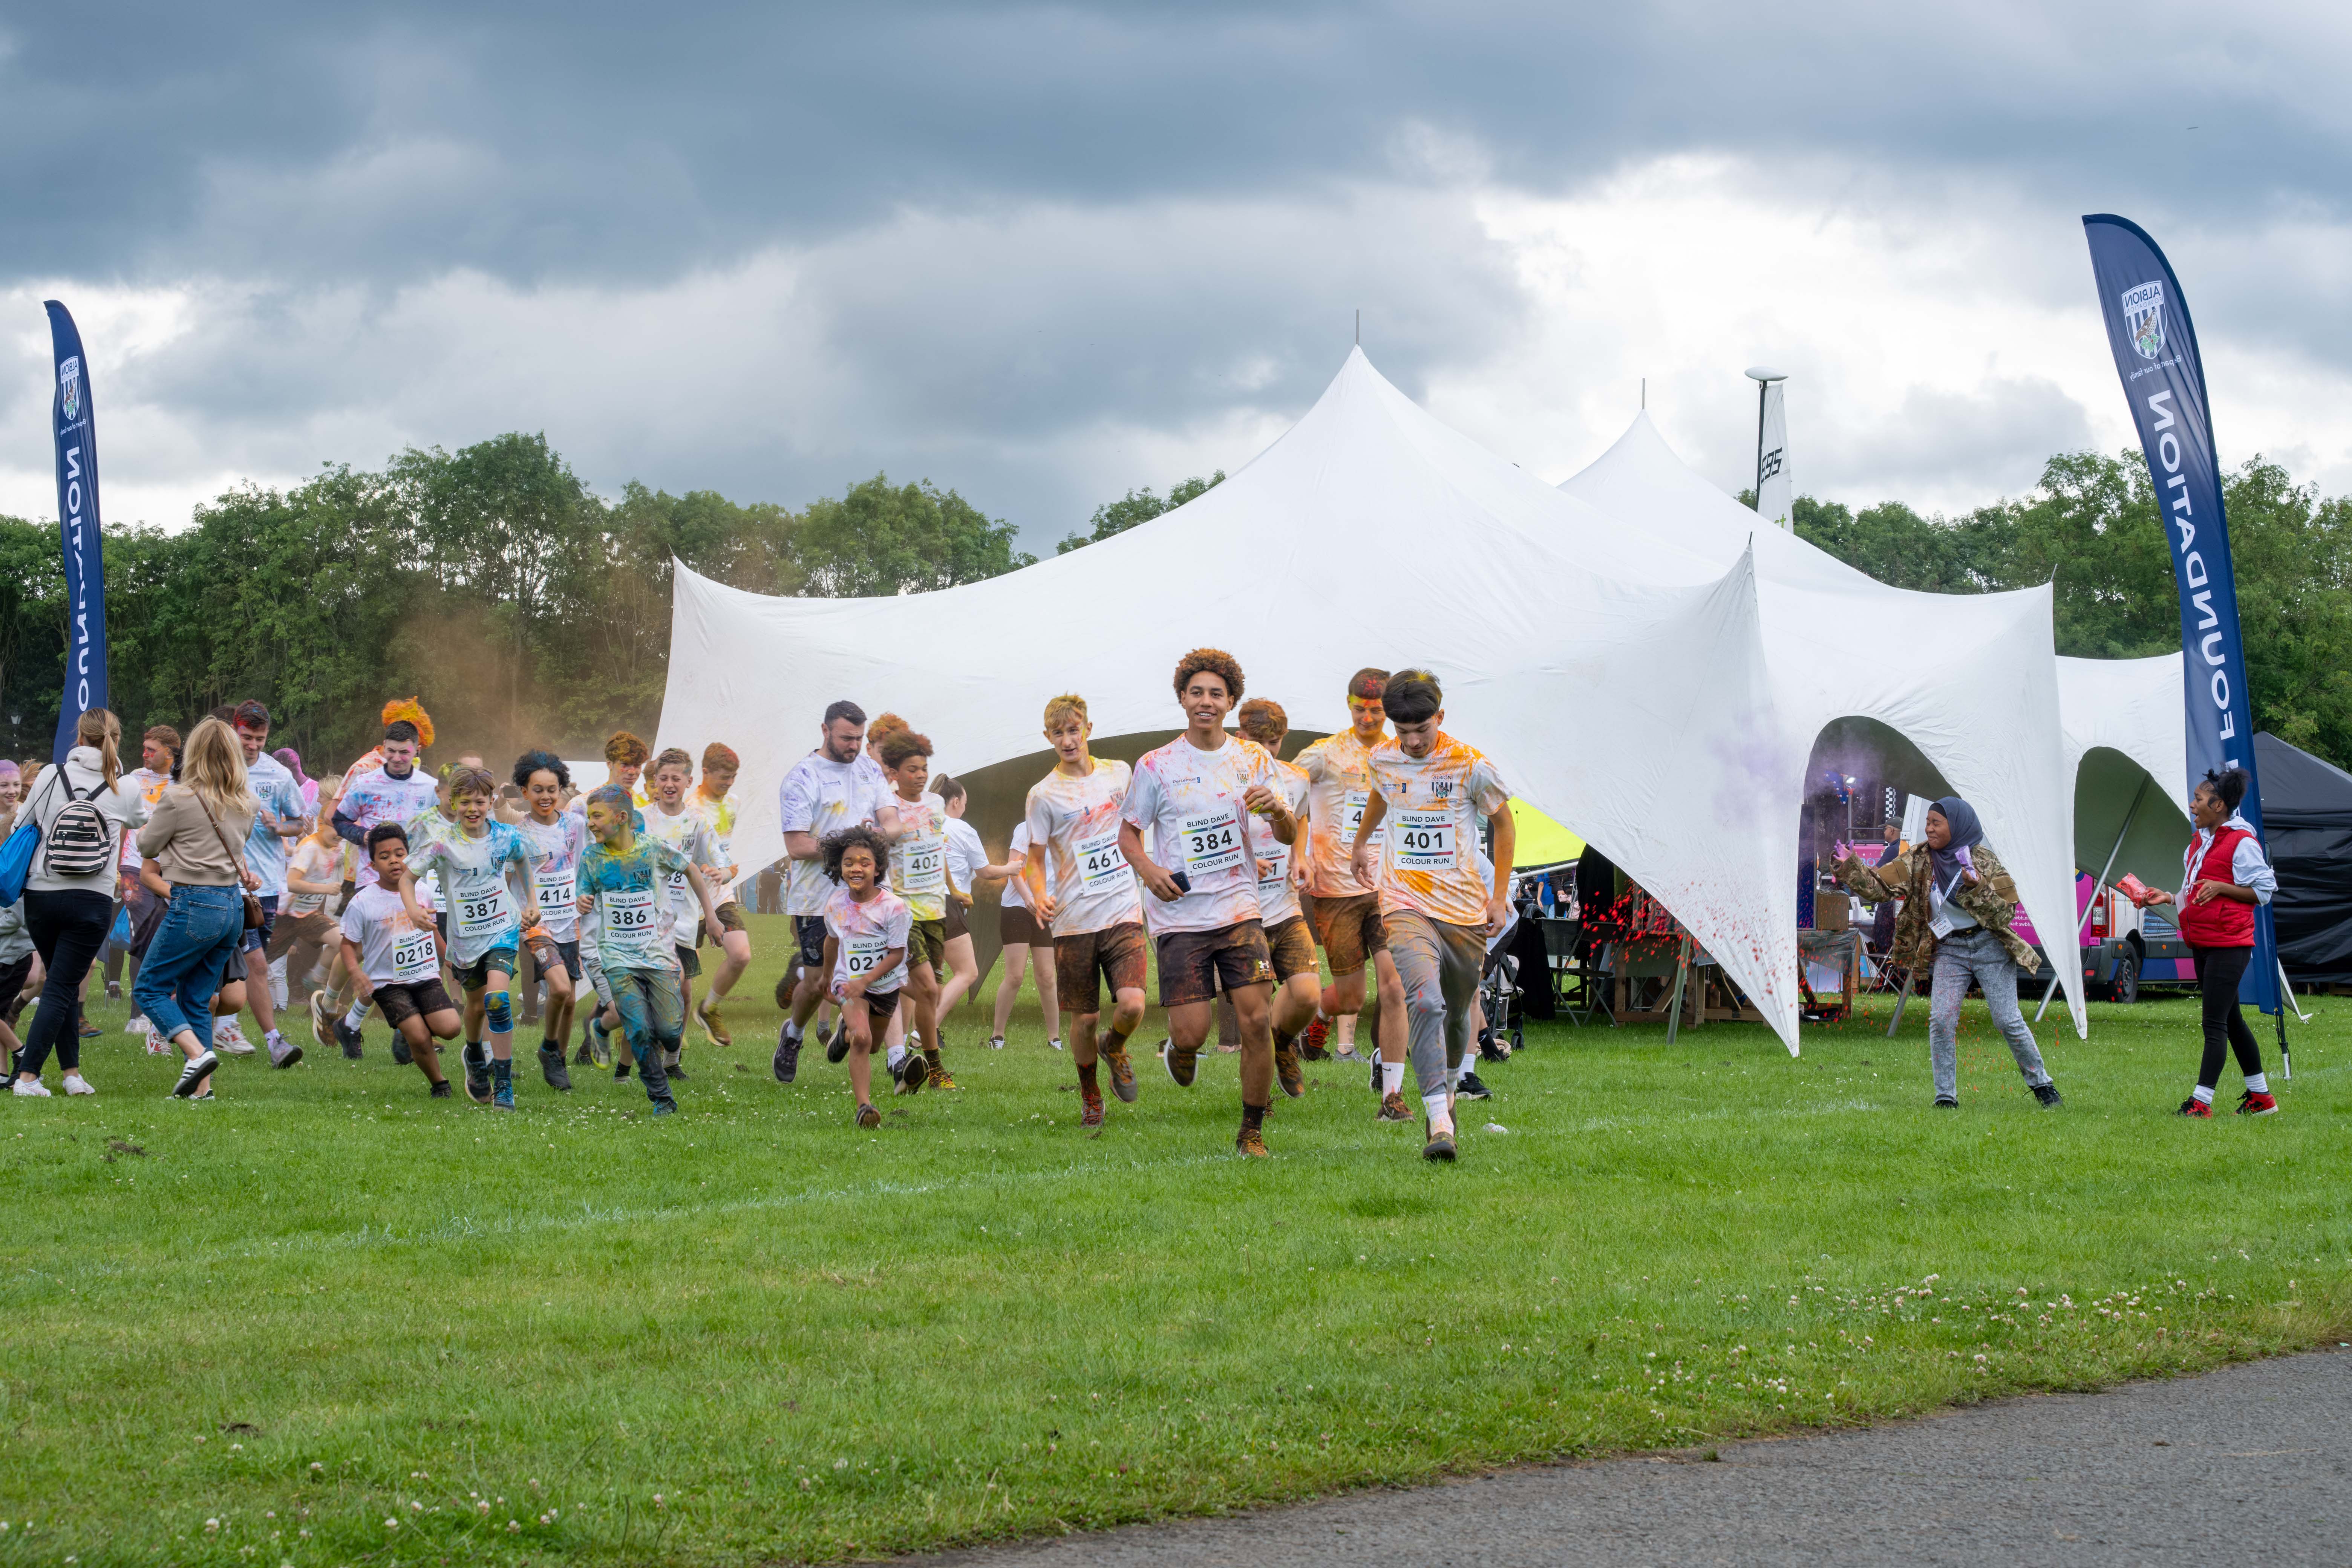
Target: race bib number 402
point(923, 868)
point(1423, 841)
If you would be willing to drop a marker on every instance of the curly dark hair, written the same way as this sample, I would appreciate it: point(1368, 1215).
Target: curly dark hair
point(1213, 661)
point(897, 745)
point(531, 763)
point(2228, 786)
point(835, 845)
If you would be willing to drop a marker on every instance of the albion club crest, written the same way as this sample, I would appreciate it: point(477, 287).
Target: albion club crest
point(2144, 317)
point(69, 389)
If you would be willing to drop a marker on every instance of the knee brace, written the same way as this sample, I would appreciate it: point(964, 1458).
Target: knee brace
point(497, 1013)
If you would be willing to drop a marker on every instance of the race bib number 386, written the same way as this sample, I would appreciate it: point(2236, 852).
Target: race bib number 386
point(629, 915)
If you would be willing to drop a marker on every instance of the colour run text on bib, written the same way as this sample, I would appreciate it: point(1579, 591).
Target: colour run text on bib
point(1423, 841)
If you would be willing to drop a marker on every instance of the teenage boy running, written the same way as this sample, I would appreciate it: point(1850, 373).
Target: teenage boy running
point(284, 818)
point(669, 821)
point(390, 949)
point(479, 859)
point(866, 928)
point(1347, 912)
point(395, 790)
point(626, 922)
point(719, 766)
point(1084, 890)
point(1196, 794)
point(556, 840)
point(920, 876)
point(1428, 792)
point(1296, 971)
point(624, 764)
point(834, 787)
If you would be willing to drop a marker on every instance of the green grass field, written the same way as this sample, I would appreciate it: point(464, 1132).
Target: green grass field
point(326, 1321)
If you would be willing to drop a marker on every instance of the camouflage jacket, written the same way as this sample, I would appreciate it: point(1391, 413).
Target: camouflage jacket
point(1993, 899)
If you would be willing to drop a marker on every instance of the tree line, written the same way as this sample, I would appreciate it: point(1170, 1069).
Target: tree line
point(525, 609)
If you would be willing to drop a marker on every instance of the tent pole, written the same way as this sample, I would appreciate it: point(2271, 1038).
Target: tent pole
point(1682, 973)
point(1896, 1022)
point(2052, 989)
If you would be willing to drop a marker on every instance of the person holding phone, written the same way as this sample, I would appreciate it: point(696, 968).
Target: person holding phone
point(1958, 902)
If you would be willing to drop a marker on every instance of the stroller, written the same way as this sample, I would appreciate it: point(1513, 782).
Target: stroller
point(1499, 997)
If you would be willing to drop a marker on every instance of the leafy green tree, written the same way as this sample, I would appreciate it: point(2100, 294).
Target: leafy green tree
point(882, 538)
point(1116, 517)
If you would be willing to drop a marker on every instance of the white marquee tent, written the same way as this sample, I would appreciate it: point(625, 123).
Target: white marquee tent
point(1661, 699)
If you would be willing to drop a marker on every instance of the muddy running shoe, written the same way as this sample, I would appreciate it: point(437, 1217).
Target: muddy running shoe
point(584, 1056)
point(1437, 1142)
point(1252, 1142)
point(2193, 1106)
point(938, 1076)
point(352, 1040)
point(1122, 1075)
point(1091, 1100)
point(1311, 1042)
point(869, 1117)
point(2047, 1093)
point(551, 1067)
point(1182, 1065)
point(1288, 1073)
point(476, 1058)
point(786, 1063)
point(910, 1073)
point(1393, 1108)
point(706, 1013)
point(322, 1021)
point(2252, 1104)
point(1471, 1089)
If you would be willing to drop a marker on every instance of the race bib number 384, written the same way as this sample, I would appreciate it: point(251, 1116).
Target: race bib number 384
point(1211, 843)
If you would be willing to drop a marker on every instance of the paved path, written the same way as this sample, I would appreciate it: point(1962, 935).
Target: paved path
point(2246, 1465)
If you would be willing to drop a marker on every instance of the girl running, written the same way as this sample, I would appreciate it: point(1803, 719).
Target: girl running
point(865, 934)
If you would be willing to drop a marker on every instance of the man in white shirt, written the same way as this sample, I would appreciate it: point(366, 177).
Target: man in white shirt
point(834, 787)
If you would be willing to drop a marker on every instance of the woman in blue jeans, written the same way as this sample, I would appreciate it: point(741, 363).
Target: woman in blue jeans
point(191, 835)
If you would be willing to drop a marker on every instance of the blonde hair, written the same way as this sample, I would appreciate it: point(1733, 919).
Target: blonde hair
point(101, 728)
point(215, 769)
point(1069, 704)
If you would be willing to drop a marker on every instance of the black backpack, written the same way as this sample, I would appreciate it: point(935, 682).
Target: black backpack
point(80, 841)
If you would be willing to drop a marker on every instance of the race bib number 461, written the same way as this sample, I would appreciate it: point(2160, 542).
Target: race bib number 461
point(1100, 865)
point(1423, 841)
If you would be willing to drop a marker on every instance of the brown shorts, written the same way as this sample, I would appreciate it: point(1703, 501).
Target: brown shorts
point(317, 929)
point(1014, 923)
point(1350, 930)
point(1293, 949)
point(927, 943)
point(402, 1002)
point(1195, 964)
point(956, 924)
point(1083, 963)
point(731, 917)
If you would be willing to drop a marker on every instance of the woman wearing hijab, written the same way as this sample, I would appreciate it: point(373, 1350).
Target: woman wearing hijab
point(1958, 901)
point(2224, 878)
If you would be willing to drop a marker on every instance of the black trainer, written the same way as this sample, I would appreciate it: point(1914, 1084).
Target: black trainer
point(441, 1090)
point(2047, 1093)
point(1946, 1102)
point(1471, 1089)
point(478, 1073)
point(786, 1064)
point(836, 1045)
point(350, 1039)
point(400, 1053)
point(551, 1067)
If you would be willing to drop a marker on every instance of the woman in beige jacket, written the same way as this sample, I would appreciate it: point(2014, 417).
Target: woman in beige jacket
point(191, 836)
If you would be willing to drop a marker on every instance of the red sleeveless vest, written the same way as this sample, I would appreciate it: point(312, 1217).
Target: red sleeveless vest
point(2216, 922)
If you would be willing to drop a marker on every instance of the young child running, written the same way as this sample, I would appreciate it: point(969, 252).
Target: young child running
point(866, 928)
point(626, 920)
point(674, 825)
point(556, 840)
point(918, 875)
point(394, 960)
point(716, 805)
point(1436, 911)
point(1093, 906)
point(487, 917)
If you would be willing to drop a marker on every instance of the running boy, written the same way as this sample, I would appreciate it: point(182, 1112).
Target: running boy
point(720, 765)
point(1196, 794)
point(1429, 790)
point(1347, 912)
point(489, 901)
point(1296, 971)
point(626, 920)
point(394, 960)
point(918, 875)
point(866, 928)
point(1093, 909)
point(670, 822)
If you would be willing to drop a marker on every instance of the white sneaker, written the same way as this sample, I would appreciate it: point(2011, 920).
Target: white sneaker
point(229, 1037)
point(996, 1042)
point(31, 1089)
point(138, 1025)
point(1056, 1044)
point(77, 1084)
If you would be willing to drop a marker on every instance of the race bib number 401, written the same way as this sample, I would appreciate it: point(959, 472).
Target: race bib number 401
point(1423, 841)
point(1211, 843)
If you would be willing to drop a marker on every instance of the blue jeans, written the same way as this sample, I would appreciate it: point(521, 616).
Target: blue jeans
point(198, 936)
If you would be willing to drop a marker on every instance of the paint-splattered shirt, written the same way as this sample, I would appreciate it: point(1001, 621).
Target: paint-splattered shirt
point(1189, 803)
point(629, 921)
point(1093, 886)
point(864, 935)
point(1434, 803)
point(484, 912)
point(1339, 781)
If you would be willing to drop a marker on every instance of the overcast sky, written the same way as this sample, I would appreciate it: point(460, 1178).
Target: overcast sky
point(1043, 254)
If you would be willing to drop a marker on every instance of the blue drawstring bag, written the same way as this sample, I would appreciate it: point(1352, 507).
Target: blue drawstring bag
point(16, 859)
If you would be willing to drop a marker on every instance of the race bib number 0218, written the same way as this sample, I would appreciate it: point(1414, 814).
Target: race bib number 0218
point(413, 959)
point(861, 955)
